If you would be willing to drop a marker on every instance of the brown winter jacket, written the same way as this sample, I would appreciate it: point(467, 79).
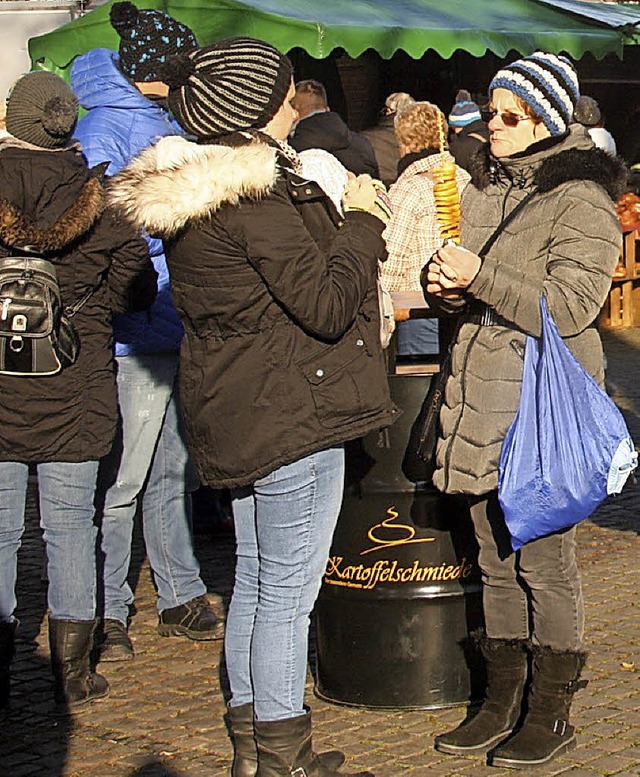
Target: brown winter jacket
point(564, 244)
point(281, 356)
point(51, 200)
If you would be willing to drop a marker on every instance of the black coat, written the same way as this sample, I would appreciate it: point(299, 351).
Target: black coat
point(51, 200)
point(281, 356)
point(385, 147)
point(468, 142)
point(328, 131)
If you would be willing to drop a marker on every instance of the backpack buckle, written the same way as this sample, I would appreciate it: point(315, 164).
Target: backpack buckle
point(16, 344)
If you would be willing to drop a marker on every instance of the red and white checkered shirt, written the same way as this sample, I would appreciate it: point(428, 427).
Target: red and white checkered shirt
point(412, 235)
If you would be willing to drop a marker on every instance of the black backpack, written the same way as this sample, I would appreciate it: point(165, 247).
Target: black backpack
point(37, 337)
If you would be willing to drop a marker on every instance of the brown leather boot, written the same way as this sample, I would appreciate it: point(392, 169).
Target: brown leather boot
point(245, 751)
point(7, 652)
point(71, 643)
point(285, 749)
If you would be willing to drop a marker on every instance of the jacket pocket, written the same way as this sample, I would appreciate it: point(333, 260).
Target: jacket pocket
point(337, 379)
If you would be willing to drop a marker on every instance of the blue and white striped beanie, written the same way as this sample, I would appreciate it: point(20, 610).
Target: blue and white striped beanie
point(548, 83)
point(465, 111)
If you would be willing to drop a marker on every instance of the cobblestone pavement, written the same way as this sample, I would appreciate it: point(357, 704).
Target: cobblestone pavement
point(164, 714)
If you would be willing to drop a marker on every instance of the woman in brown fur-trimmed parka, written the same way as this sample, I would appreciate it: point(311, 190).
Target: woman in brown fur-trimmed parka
point(63, 423)
point(281, 361)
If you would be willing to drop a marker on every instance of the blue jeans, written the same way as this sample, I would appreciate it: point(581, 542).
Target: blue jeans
point(66, 516)
point(418, 337)
point(150, 458)
point(284, 526)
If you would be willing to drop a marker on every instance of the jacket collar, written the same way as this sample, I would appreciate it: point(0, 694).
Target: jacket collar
point(550, 163)
point(419, 161)
point(177, 181)
point(17, 228)
point(98, 82)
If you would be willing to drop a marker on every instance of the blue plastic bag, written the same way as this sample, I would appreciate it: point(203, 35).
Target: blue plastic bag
point(567, 448)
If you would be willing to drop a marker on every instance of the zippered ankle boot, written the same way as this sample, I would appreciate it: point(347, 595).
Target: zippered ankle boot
point(245, 751)
point(7, 652)
point(545, 731)
point(507, 665)
point(285, 750)
point(70, 643)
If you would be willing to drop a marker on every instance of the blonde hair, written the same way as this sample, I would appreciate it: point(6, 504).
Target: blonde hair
point(416, 127)
point(398, 101)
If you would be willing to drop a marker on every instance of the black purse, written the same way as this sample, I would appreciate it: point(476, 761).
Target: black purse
point(419, 461)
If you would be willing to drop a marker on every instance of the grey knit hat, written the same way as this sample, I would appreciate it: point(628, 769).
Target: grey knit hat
point(147, 38)
point(42, 110)
point(237, 83)
point(548, 83)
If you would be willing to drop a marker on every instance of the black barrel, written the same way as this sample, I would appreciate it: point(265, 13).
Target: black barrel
point(402, 588)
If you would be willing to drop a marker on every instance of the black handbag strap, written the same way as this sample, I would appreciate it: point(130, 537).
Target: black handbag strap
point(505, 223)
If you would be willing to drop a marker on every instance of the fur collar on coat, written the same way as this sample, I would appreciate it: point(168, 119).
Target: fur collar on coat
point(551, 163)
point(18, 229)
point(177, 181)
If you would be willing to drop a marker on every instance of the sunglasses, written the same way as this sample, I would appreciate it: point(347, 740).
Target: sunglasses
point(508, 119)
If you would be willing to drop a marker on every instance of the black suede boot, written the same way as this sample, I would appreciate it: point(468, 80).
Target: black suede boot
point(245, 750)
point(545, 732)
point(7, 651)
point(70, 643)
point(507, 667)
point(285, 750)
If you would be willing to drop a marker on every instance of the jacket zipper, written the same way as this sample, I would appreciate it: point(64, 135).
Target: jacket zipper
point(463, 373)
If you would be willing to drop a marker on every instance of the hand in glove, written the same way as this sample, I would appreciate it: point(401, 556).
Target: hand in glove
point(368, 195)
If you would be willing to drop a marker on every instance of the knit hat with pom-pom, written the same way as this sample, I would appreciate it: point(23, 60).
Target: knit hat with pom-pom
point(235, 84)
point(147, 38)
point(42, 110)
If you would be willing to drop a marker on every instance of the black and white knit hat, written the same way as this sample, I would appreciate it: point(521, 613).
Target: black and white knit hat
point(147, 38)
point(548, 83)
point(42, 110)
point(465, 111)
point(237, 83)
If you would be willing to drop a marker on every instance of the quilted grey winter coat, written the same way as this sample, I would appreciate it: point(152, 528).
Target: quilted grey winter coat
point(563, 244)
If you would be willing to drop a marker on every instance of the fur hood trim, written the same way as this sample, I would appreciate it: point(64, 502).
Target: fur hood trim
point(574, 164)
point(17, 230)
point(177, 181)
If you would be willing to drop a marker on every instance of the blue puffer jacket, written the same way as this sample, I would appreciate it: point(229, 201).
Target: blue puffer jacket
point(119, 124)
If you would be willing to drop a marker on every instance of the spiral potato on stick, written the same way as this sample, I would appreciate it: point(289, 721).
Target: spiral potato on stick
point(445, 192)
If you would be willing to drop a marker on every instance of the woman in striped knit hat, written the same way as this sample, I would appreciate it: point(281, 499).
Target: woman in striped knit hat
point(563, 243)
point(281, 361)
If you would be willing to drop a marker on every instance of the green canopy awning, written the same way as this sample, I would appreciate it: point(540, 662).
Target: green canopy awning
point(320, 26)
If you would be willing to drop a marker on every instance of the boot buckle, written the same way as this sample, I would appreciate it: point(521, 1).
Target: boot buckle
point(559, 727)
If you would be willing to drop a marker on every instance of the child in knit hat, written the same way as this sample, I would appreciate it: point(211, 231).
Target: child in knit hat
point(62, 423)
